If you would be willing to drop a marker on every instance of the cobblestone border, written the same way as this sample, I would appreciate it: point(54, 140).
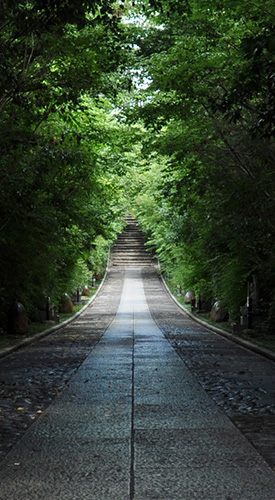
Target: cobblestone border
point(244, 343)
point(29, 340)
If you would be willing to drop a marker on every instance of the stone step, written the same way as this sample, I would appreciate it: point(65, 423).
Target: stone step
point(133, 259)
point(129, 241)
point(126, 265)
point(131, 256)
point(126, 261)
point(137, 237)
point(129, 249)
point(132, 265)
point(129, 237)
point(136, 250)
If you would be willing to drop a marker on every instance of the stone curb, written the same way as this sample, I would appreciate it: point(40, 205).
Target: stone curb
point(244, 343)
point(8, 350)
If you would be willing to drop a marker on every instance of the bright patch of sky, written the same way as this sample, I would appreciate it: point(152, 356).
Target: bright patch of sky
point(136, 19)
point(141, 20)
point(140, 81)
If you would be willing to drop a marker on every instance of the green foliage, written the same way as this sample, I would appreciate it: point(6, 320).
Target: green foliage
point(167, 113)
point(58, 192)
point(99, 256)
point(209, 113)
point(53, 214)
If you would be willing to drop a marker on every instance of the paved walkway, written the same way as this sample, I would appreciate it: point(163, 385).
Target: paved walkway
point(133, 423)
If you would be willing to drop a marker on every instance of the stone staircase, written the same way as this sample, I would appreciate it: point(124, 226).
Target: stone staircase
point(129, 250)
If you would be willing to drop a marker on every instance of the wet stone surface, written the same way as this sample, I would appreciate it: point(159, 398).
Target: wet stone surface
point(241, 382)
point(134, 423)
point(31, 378)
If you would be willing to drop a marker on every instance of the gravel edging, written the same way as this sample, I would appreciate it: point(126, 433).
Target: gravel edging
point(244, 343)
point(29, 340)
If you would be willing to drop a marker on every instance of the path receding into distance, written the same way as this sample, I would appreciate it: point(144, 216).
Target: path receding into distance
point(134, 423)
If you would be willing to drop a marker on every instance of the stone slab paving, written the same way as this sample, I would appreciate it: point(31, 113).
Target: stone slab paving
point(134, 423)
point(240, 381)
point(32, 377)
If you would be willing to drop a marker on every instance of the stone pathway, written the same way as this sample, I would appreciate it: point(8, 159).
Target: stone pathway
point(240, 381)
point(134, 423)
point(32, 377)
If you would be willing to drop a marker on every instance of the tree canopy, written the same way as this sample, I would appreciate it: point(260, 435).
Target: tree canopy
point(206, 195)
point(160, 107)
